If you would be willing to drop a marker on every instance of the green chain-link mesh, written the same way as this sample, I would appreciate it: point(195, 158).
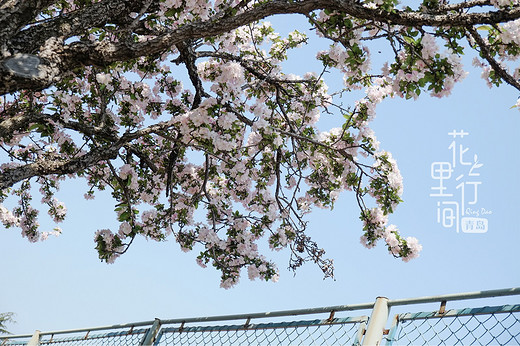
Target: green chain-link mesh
point(316, 332)
point(498, 325)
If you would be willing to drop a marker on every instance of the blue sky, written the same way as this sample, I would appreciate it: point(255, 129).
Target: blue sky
point(60, 283)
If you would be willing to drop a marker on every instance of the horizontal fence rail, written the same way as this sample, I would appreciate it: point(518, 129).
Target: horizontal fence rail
point(489, 325)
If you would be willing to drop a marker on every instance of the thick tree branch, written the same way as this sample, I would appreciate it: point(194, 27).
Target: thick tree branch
point(187, 55)
point(58, 165)
point(465, 5)
point(68, 57)
point(20, 122)
point(484, 50)
point(16, 14)
point(75, 23)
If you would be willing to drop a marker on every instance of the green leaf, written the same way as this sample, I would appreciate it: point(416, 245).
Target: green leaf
point(34, 127)
point(485, 27)
point(125, 216)
point(409, 39)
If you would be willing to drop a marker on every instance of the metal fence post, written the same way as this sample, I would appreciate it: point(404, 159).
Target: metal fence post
point(35, 339)
point(393, 330)
point(149, 337)
point(359, 336)
point(377, 323)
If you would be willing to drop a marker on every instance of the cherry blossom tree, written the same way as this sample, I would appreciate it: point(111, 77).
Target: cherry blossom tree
point(183, 106)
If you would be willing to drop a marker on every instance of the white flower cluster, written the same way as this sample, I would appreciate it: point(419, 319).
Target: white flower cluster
point(7, 218)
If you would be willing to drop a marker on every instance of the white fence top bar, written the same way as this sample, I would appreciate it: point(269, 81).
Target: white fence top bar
point(457, 296)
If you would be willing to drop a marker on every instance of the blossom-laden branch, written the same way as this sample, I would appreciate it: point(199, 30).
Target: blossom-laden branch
point(92, 89)
point(45, 69)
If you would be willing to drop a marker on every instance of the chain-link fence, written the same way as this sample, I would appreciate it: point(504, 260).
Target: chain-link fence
point(128, 336)
point(336, 331)
point(332, 331)
point(496, 325)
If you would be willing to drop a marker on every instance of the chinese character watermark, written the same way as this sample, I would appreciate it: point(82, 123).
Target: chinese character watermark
point(456, 187)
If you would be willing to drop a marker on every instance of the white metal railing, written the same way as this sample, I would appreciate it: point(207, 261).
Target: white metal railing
point(354, 330)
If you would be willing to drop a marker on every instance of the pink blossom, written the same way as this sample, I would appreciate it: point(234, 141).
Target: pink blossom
point(103, 78)
point(228, 283)
point(429, 46)
point(7, 218)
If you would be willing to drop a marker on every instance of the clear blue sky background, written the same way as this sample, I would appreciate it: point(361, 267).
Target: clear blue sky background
point(60, 283)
